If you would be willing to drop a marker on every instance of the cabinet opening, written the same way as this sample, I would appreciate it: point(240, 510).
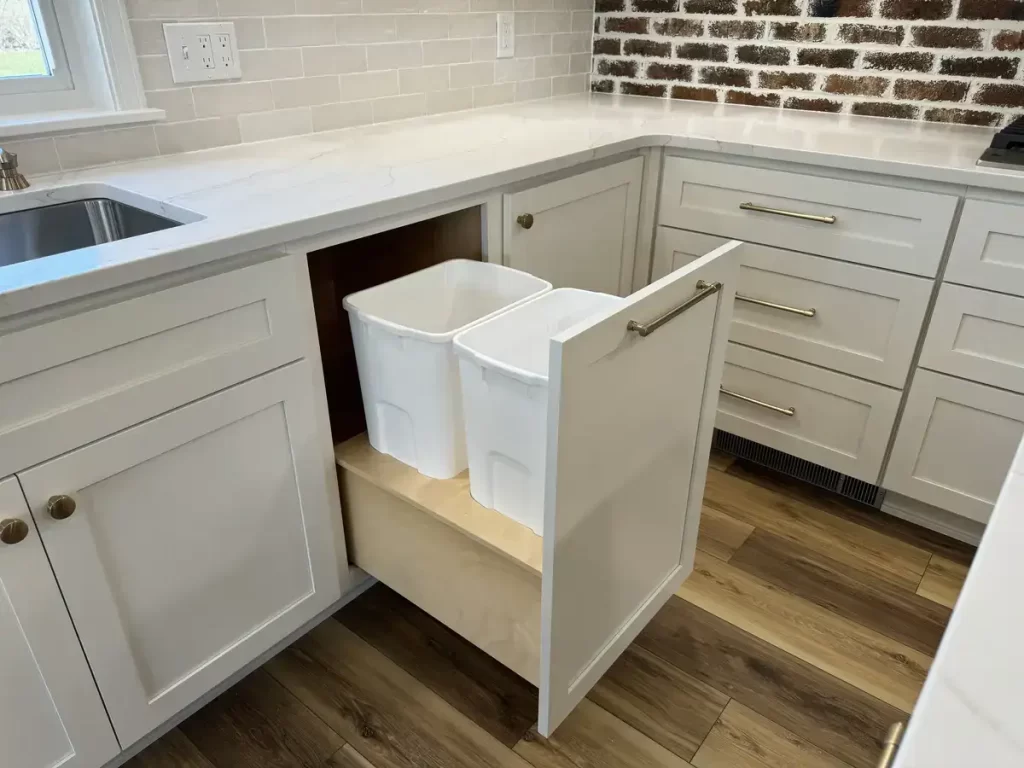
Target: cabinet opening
point(471, 568)
point(339, 270)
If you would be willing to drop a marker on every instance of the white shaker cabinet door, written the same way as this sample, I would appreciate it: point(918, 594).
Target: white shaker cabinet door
point(578, 232)
point(631, 410)
point(197, 541)
point(955, 444)
point(49, 706)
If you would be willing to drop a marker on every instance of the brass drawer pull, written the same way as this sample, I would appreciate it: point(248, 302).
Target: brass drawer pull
point(761, 403)
point(892, 742)
point(703, 291)
point(13, 531)
point(782, 307)
point(791, 214)
point(61, 507)
point(525, 221)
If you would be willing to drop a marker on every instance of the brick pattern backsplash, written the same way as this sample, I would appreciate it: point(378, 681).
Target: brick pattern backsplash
point(941, 60)
point(318, 65)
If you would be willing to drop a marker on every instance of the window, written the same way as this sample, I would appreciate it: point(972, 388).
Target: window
point(61, 59)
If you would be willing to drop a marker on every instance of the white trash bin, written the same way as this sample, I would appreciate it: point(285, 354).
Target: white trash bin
point(503, 365)
point(402, 331)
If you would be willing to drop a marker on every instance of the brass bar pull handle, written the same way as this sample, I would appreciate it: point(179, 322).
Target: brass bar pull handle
point(772, 305)
point(791, 214)
point(761, 403)
point(892, 743)
point(703, 291)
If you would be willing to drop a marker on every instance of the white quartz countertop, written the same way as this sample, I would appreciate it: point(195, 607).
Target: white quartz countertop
point(267, 194)
point(969, 712)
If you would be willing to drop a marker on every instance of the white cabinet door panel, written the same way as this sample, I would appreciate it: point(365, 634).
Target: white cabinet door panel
point(584, 228)
point(855, 319)
point(988, 251)
point(977, 335)
point(833, 420)
point(630, 420)
point(49, 706)
point(955, 444)
point(899, 229)
point(200, 539)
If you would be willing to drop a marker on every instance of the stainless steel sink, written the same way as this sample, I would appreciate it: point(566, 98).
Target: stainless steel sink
point(37, 232)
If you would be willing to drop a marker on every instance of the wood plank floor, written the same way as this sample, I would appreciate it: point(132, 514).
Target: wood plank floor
point(806, 629)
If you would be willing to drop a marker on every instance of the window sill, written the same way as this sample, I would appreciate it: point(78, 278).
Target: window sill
point(61, 122)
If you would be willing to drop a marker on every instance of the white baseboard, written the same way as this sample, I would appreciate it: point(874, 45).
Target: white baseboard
point(933, 518)
point(361, 586)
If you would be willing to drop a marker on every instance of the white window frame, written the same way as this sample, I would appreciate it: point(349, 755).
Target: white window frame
point(95, 79)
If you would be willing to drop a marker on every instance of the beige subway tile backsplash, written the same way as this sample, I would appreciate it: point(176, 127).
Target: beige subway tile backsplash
point(111, 146)
point(492, 95)
point(177, 103)
point(271, 63)
point(423, 79)
point(469, 75)
point(330, 117)
point(232, 99)
point(321, 65)
point(399, 107)
point(369, 85)
point(394, 55)
point(197, 134)
point(333, 59)
point(260, 126)
point(284, 31)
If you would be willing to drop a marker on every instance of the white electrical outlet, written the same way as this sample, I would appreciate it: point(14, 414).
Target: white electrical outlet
point(506, 35)
point(202, 52)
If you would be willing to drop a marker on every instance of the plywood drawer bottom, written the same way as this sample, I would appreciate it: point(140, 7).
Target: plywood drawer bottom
point(399, 534)
point(833, 420)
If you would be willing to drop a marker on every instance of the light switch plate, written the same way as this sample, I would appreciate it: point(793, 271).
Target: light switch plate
point(506, 35)
point(200, 53)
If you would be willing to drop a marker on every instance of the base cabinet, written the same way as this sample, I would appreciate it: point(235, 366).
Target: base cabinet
point(955, 444)
point(51, 712)
point(197, 540)
point(578, 232)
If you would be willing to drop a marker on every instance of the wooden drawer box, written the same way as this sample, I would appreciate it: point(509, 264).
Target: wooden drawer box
point(988, 251)
point(955, 444)
point(977, 335)
point(899, 229)
point(858, 320)
point(825, 417)
point(72, 381)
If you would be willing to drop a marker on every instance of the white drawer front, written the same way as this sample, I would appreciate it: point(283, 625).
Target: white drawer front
point(988, 251)
point(828, 418)
point(865, 322)
point(977, 335)
point(955, 444)
point(899, 229)
point(72, 381)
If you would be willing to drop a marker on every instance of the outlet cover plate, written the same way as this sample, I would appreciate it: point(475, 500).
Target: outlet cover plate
point(200, 53)
point(506, 35)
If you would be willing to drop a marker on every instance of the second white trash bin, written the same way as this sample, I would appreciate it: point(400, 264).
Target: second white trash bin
point(503, 365)
point(402, 331)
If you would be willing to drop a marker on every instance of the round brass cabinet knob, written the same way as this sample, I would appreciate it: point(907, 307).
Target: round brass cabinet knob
point(61, 507)
point(13, 531)
point(525, 221)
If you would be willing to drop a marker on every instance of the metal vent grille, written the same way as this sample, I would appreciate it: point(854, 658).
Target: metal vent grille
point(801, 469)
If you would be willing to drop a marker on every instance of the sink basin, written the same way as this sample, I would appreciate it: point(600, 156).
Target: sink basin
point(34, 233)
